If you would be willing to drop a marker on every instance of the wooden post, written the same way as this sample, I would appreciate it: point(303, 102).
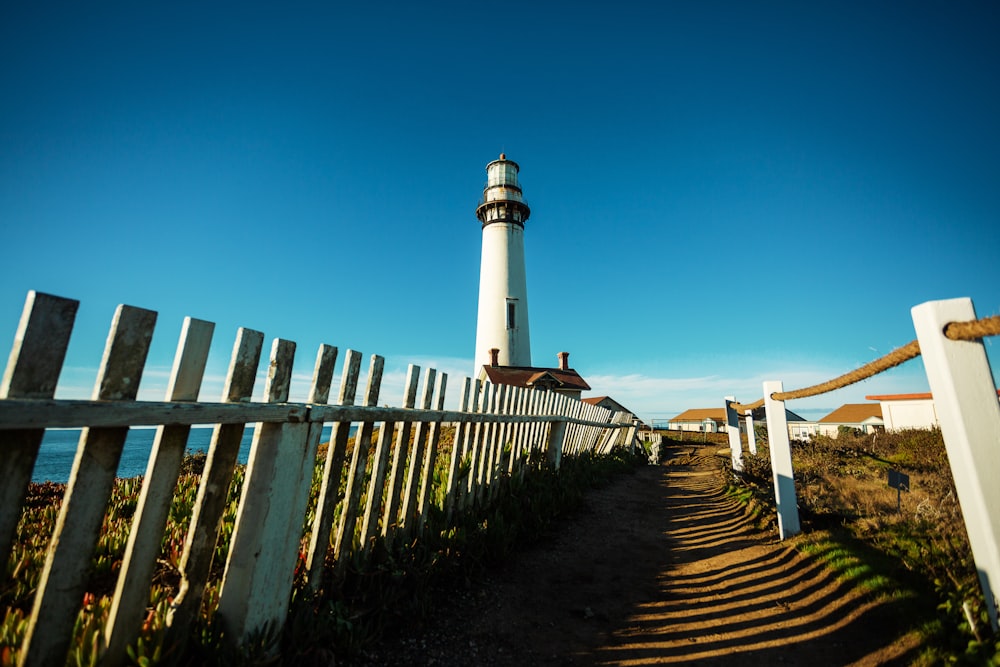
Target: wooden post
point(333, 469)
point(781, 462)
point(213, 491)
point(481, 405)
point(256, 585)
point(751, 436)
point(733, 430)
point(150, 518)
point(36, 358)
point(359, 464)
point(965, 400)
point(457, 449)
point(430, 457)
point(553, 448)
point(376, 484)
point(408, 511)
point(319, 394)
point(64, 576)
point(399, 457)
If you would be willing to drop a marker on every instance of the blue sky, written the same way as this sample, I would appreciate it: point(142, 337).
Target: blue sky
point(722, 193)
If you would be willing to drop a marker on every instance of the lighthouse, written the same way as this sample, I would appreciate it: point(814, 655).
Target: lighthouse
point(503, 290)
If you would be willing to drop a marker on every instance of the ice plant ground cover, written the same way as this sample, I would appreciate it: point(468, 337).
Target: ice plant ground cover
point(348, 615)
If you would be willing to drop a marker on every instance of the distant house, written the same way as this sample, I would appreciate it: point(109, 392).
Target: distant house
point(706, 420)
point(713, 420)
point(562, 380)
point(901, 411)
point(608, 403)
point(865, 417)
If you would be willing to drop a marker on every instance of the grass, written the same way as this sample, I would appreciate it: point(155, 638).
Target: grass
point(919, 553)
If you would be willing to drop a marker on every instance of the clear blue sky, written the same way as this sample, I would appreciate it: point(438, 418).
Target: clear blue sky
point(722, 192)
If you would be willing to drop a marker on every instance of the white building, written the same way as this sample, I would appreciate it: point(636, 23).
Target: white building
point(864, 417)
point(902, 411)
point(502, 323)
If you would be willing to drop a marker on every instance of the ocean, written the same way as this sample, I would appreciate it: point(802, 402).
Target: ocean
point(55, 456)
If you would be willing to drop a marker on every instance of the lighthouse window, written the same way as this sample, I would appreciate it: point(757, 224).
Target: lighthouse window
point(511, 310)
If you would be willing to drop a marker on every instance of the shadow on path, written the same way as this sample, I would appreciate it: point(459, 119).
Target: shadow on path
point(732, 595)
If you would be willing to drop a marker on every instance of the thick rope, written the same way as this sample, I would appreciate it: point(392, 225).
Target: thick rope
point(972, 330)
point(987, 326)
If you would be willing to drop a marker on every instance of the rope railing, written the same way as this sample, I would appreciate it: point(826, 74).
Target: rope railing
point(971, 330)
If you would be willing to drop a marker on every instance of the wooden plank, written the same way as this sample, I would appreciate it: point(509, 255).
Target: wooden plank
point(781, 462)
point(408, 511)
point(261, 566)
point(62, 413)
point(965, 399)
point(376, 486)
point(733, 431)
point(319, 393)
point(256, 584)
point(457, 447)
point(213, 491)
point(430, 457)
point(358, 469)
point(326, 360)
point(35, 413)
point(467, 496)
point(333, 469)
point(150, 519)
point(32, 372)
point(64, 576)
point(751, 436)
point(481, 445)
point(390, 521)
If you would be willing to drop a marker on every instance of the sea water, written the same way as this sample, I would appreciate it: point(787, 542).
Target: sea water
point(55, 456)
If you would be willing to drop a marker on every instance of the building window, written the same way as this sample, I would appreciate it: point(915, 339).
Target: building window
point(511, 314)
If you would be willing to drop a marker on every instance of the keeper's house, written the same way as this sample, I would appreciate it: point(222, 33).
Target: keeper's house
point(864, 417)
point(713, 420)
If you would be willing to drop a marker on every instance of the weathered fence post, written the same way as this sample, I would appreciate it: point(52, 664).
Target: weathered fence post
point(358, 469)
point(213, 491)
point(390, 522)
point(150, 519)
point(965, 400)
point(781, 462)
point(64, 577)
point(733, 430)
point(408, 510)
point(751, 436)
point(333, 468)
point(256, 584)
point(457, 454)
point(36, 358)
point(430, 456)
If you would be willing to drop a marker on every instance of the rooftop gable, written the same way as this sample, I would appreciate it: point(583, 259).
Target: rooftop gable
point(853, 413)
point(529, 376)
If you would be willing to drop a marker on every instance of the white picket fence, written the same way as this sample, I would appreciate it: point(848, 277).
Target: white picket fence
point(965, 399)
point(496, 430)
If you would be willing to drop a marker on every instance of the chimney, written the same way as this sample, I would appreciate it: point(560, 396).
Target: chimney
point(563, 361)
point(495, 356)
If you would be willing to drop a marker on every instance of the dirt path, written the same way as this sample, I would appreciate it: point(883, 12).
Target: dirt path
point(659, 568)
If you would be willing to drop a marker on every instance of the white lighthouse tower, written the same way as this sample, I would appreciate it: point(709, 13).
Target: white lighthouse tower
point(503, 289)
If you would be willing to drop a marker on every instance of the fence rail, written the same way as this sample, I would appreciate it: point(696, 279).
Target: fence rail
point(389, 476)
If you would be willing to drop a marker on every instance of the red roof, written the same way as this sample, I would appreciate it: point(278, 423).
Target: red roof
point(905, 397)
point(527, 376)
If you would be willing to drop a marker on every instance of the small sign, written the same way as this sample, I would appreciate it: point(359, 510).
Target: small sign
point(899, 480)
